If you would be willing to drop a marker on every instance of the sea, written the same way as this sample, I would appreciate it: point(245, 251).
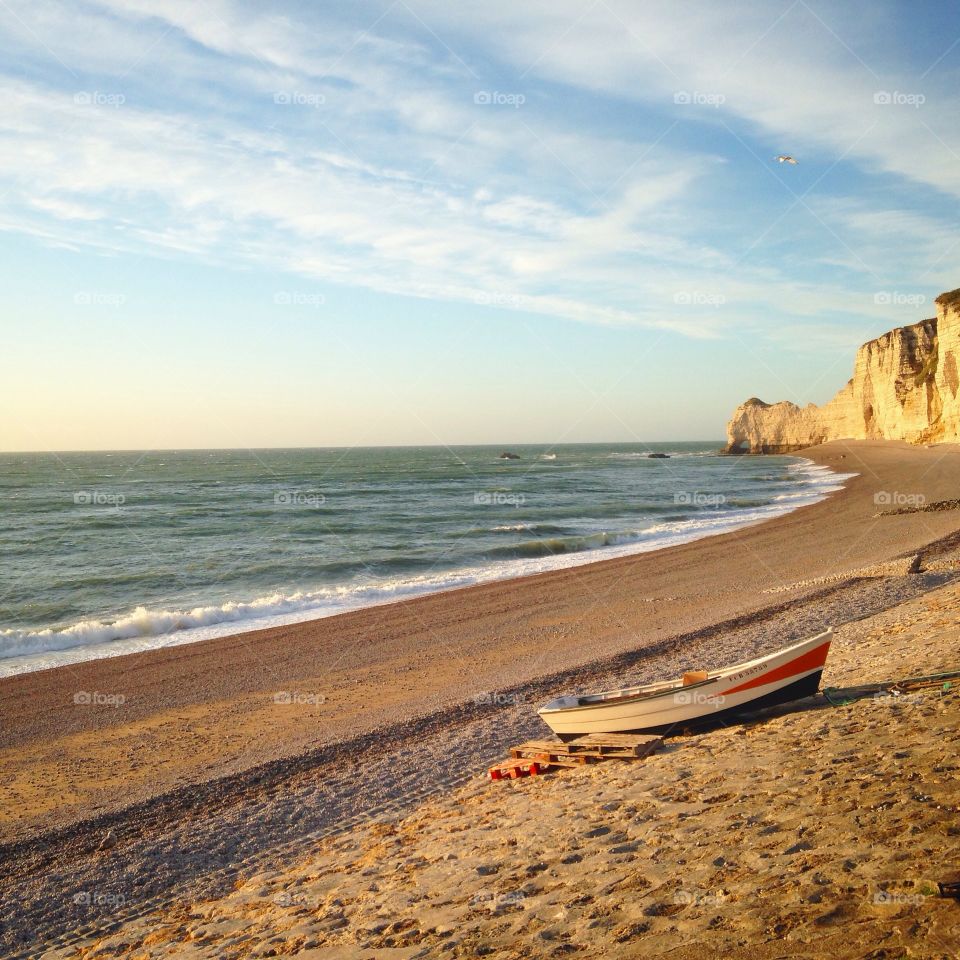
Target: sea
point(110, 553)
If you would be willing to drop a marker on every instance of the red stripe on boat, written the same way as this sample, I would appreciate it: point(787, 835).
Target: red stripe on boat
point(808, 661)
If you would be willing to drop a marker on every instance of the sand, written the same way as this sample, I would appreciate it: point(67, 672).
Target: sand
point(199, 773)
point(815, 831)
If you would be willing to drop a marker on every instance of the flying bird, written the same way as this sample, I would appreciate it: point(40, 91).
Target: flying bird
point(786, 158)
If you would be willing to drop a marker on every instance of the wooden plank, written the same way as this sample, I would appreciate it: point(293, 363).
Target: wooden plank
point(542, 746)
point(613, 744)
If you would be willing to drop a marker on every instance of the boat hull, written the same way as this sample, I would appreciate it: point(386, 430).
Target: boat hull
point(797, 690)
point(670, 708)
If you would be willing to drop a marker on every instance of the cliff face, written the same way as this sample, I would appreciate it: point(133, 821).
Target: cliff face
point(904, 387)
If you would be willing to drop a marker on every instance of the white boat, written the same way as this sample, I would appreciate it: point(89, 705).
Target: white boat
point(698, 698)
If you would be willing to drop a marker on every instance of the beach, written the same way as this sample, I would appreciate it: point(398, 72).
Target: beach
point(173, 773)
point(817, 830)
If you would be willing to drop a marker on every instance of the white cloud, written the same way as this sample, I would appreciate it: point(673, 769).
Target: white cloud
point(392, 177)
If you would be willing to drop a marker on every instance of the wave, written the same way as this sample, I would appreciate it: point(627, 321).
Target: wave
point(143, 628)
point(146, 623)
point(531, 527)
point(551, 546)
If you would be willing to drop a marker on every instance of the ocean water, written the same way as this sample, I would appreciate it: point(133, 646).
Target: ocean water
point(106, 553)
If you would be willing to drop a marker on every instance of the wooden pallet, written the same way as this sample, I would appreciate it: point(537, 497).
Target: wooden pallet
point(594, 746)
point(541, 756)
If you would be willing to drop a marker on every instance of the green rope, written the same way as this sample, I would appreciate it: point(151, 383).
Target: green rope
point(835, 695)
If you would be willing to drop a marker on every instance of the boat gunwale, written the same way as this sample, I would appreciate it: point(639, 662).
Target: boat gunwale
point(630, 698)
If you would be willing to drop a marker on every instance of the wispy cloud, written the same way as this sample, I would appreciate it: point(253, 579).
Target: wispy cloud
point(489, 157)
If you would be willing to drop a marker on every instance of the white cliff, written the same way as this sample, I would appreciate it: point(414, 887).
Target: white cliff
point(904, 387)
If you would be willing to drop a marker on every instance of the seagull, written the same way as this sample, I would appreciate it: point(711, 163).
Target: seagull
point(786, 158)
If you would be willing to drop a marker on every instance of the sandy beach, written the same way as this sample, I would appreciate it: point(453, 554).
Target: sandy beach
point(180, 770)
point(817, 830)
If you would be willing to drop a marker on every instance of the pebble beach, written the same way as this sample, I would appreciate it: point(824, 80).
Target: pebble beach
point(816, 830)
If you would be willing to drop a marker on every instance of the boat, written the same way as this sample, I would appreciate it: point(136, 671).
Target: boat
point(699, 698)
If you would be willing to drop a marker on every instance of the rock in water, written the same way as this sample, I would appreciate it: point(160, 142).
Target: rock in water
point(509, 456)
point(658, 456)
point(905, 387)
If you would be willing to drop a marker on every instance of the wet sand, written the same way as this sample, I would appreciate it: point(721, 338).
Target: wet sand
point(169, 719)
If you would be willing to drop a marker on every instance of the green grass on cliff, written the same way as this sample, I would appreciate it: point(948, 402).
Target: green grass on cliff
point(949, 299)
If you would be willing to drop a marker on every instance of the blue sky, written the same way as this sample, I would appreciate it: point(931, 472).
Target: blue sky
point(273, 224)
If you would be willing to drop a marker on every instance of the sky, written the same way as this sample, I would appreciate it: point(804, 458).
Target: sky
point(269, 224)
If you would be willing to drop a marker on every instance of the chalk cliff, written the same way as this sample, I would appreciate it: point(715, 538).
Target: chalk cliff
point(904, 387)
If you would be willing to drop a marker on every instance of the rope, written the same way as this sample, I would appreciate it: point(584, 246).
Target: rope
point(942, 680)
